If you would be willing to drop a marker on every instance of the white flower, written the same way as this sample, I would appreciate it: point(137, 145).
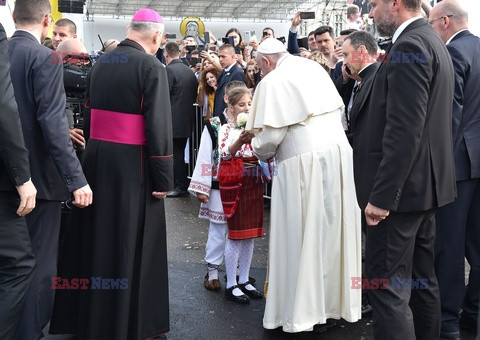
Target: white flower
point(242, 120)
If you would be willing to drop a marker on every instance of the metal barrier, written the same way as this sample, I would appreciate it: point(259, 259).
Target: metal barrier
point(194, 145)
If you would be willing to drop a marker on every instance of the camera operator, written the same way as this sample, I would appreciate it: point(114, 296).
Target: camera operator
point(76, 63)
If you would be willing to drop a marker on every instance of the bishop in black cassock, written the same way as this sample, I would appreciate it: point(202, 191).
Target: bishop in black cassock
point(119, 243)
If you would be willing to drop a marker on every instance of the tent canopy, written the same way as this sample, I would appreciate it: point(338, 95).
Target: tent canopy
point(205, 9)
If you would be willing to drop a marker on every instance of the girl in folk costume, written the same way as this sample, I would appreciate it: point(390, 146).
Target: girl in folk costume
point(241, 191)
point(205, 186)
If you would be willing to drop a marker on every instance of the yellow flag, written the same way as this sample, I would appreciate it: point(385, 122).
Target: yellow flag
point(56, 15)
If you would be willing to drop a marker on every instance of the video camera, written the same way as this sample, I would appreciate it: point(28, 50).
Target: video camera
point(75, 83)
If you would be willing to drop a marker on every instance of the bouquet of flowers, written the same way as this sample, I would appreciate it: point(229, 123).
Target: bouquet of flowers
point(242, 120)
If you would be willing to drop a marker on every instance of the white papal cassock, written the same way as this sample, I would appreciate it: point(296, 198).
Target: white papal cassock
point(315, 246)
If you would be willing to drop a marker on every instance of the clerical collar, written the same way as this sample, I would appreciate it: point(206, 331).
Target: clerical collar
point(364, 68)
point(402, 27)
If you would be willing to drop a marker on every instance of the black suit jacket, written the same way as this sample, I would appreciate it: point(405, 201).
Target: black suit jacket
point(463, 50)
point(14, 167)
point(183, 87)
point(403, 157)
point(363, 92)
point(235, 73)
point(38, 84)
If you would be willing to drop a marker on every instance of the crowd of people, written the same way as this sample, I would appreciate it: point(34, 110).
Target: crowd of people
point(357, 140)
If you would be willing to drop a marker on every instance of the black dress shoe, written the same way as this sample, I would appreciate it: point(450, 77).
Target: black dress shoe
point(322, 328)
point(254, 294)
point(178, 193)
point(467, 323)
point(238, 299)
point(366, 309)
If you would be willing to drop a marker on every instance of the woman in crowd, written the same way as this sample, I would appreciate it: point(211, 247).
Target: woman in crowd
point(244, 55)
point(206, 91)
point(242, 198)
point(250, 73)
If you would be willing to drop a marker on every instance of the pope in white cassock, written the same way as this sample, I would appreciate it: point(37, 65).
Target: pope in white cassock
point(315, 247)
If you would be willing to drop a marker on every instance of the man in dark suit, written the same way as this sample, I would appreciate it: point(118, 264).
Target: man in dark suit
point(404, 171)
point(17, 198)
point(458, 223)
point(359, 67)
point(183, 87)
point(55, 169)
point(231, 71)
point(360, 50)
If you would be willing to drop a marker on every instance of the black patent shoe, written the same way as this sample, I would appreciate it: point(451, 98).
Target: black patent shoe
point(253, 294)
point(238, 299)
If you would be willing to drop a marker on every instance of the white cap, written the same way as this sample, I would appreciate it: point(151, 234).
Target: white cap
point(271, 46)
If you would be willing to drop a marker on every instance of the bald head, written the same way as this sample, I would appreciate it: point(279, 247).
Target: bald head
point(452, 8)
point(447, 18)
point(110, 45)
point(71, 46)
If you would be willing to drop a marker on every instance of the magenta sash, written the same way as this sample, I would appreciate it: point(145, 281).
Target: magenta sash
point(117, 127)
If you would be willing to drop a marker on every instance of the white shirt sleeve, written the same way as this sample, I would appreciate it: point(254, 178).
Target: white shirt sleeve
point(266, 142)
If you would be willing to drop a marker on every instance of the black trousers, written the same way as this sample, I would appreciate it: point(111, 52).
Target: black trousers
point(458, 236)
point(401, 250)
point(44, 226)
point(180, 169)
point(17, 264)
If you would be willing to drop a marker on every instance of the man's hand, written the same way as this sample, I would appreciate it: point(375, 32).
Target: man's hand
point(240, 59)
point(76, 135)
point(346, 75)
point(83, 197)
point(296, 21)
point(159, 195)
point(375, 215)
point(246, 137)
point(202, 197)
point(254, 45)
point(27, 193)
point(337, 54)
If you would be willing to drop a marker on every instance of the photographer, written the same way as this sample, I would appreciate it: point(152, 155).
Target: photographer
point(76, 63)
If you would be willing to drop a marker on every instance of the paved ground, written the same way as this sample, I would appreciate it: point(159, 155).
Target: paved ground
point(200, 314)
point(196, 313)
